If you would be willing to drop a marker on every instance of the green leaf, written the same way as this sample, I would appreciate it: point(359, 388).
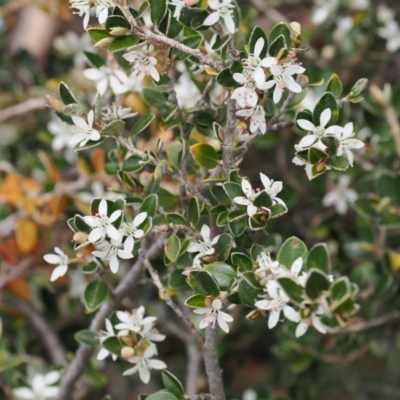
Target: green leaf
point(277, 210)
point(205, 155)
point(113, 345)
point(162, 394)
point(292, 289)
point(315, 155)
point(318, 258)
point(223, 246)
point(96, 293)
point(225, 78)
point(390, 221)
point(176, 219)
point(90, 268)
point(263, 200)
point(335, 86)
point(278, 30)
point(233, 189)
point(95, 59)
point(97, 34)
point(114, 128)
point(238, 227)
point(276, 46)
point(340, 163)
point(65, 94)
point(242, 262)
point(122, 43)
point(222, 219)
point(194, 210)
point(87, 337)
point(158, 10)
point(223, 273)
point(81, 225)
point(150, 205)
point(142, 123)
point(249, 290)
point(155, 98)
point(203, 283)
point(117, 21)
point(256, 34)
point(196, 301)
point(172, 384)
point(220, 195)
point(172, 247)
point(326, 101)
point(316, 283)
point(358, 87)
point(290, 251)
point(176, 280)
point(339, 292)
point(132, 164)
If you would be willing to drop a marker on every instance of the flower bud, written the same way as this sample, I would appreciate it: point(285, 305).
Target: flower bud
point(80, 237)
point(55, 104)
point(119, 31)
point(127, 352)
point(103, 43)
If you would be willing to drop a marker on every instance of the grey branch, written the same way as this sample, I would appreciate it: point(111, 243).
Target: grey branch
point(167, 297)
point(84, 352)
point(373, 323)
point(48, 337)
point(229, 133)
point(23, 108)
point(213, 370)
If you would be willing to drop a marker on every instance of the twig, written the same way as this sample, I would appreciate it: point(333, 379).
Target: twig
point(10, 272)
point(167, 297)
point(373, 323)
point(23, 108)
point(48, 337)
point(84, 352)
point(173, 228)
point(213, 370)
point(229, 134)
point(270, 12)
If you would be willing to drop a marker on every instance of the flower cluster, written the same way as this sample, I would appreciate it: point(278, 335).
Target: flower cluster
point(221, 11)
point(83, 8)
point(42, 387)
point(276, 300)
point(143, 63)
point(390, 29)
point(258, 75)
point(136, 336)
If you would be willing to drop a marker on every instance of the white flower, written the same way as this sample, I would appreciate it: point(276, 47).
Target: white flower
point(295, 270)
point(187, 93)
point(324, 9)
point(276, 302)
point(340, 195)
point(104, 77)
point(267, 269)
point(221, 10)
point(214, 315)
point(248, 198)
point(246, 95)
point(72, 45)
point(109, 332)
point(116, 111)
point(142, 63)
point(144, 364)
point(84, 130)
point(283, 78)
point(62, 134)
point(257, 118)
point(179, 5)
point(317, 132)
point(308, 167)
point(272, 189)
point(204, 248)
point(111, 251)
point(131, 229)
point(61, 259)
point(314, 320)
point(102, 9)
point(83, 8)
point(102, 225)
point(347, 142)
point(149, 334)
point(133, 322)
point(41, 388)
point(253, 61)
point(390, 31)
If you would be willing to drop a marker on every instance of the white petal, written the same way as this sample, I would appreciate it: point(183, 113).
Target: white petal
point(251, 209)
point(293, 86)
point(139, 219)
point(96, 234)
point(259, 76)
point(94, 135)
point(102, 16)
point(154, 74)
point(306, 125)
point(114, 264)
point(259, 46)
point(230, 24)
point(103, 207)
point(277, 94)
point(157, 364)
point(273, 319)
point(204, 323)
point(211, 19)
point(239, 78)
point(24, 393)
point(115, 215)
point(308, 141)
point(124, 317)
point(103, 353)
point(223, 325)
point(301, 329)
point(268, 62)
point(325, 117)
point(265, 181)
point(214, 4)
point(112, 232)
point(131, 371)
point(79, 122)
point(52, 377)
point(93, 74)
point(205, 233)
point(90, 117)
point(61, 270)
point(291, 314)
point(297, 266)
point(51, 258)
point(241, 200)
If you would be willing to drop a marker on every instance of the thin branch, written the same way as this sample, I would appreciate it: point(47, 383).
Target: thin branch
point(173, 228)
point(373, 323)
point(23, 108)
point(167, 297)
point(213, 369)
point(48, 337)
point(229, 134)
point(10, 272)
point(84, 352)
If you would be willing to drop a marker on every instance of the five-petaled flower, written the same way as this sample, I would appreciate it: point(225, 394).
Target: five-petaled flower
point(132, 322)
point(42, 388)
point(347, 141)
point(142, 63)
point(204, 248)
point(109, 332)
point(61, 259)
point(221, 10)
point(257, 118)
point(214, 315)
point(84, 130)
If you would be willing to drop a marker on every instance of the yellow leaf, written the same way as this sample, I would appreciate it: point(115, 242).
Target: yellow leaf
point(210, 71)
point(49, 166)
point(19, 288)
point(394, 260)
point(97, 159)
point(170, 292)
point(26, 235)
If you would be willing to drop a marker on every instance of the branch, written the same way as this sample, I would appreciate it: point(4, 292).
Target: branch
point(48, 337)
point(167, 297)
point(229, 133)
point(373, 323)
point(173, 228)
point(213, 370)
point(84, 352)
point(23, 108)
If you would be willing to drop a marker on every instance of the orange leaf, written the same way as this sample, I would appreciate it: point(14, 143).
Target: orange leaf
point(49, 166)
point(19, 288)
point(26, 235)
point(97, 158)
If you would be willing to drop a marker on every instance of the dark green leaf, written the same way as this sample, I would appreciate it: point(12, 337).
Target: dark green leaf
point(96, 293)
point(172, 247)
point(256, 34)
point(223, 273)
point(65, 94)
point(158, 10)
point(292, 289)
point(318, 257)
point(196, 301)
point(122, 43)
point(194, 210)
point(326, 101)
point(172, 384)
point(142, 123)
point(290, 251)
point(223, 246)
point(316, 283)
point(95, 60)
point(205, 155)
point(150, 205)
point(87, 337)
point(117, 21)
point(334, 86)
point(203, 283)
